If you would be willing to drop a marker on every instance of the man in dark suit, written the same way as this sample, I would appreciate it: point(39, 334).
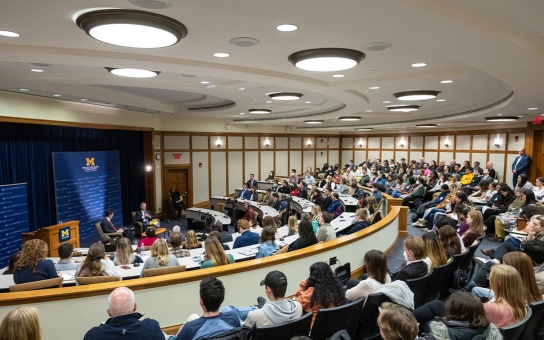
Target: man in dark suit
point(246, 238)
point(327, 200)
point(520, 165)
point(107, 225)
point(414, 253)
point(252, 183)
point(143, 215)
point(302, 191)
point(245, 193)
point(492, 172)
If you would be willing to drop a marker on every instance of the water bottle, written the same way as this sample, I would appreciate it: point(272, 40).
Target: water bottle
point(142, 249)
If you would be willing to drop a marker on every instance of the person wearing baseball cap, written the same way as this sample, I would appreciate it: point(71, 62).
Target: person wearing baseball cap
point(279, 309)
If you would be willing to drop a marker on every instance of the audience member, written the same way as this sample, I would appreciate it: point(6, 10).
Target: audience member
point(320, 290)
point(32, 264)
point(160, 257)
point(434, 252)
point(96, 263)
point(124, 321)
point(66, 250)
point(124, 255)
point(21, 324)
point(450, 241)
point(191, 241)
point(396, 322)
point(414, 252)
point(175, 245)
point(306, 237)
point(475, 230)
point(212, 322)
point(150, 238)
point(377, 271)
point(246, 238)
point(535, 250)
point(214, 254)
point(279, 309)
point(143, 215)
point(326, 232)
point(361, 221)
point(268, 244)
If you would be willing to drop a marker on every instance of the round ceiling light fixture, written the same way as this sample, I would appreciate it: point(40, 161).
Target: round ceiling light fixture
point(427, 125)
point(326, 59)
point(416, 95)
point(287, 27)
point(349, 118)
point(9, 34)
point(314, 121)
point(132, 28)
point(502, 119)
point(363, 129)
point(403, 108)
point(132, 72)
point(376, 46)
point(285, 96)
point(259, 111)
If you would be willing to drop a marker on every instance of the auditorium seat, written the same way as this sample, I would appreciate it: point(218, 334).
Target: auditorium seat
point(419, 287)
point(113, 236)
point(138, 226)
point(87, 280)
point(440, 281)
point(49, 283)
point(514, 331)
point(330, 320)
point(368, 325)
point(164, 270)
point(287, 330)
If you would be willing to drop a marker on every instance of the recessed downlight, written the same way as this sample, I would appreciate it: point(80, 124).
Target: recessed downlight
point(363, 129)
point(24, 90)
point(37, 70)
point(259, 111)
point(386, 102)
point(241, 88)
point(285, 96)
point(446, 81)
point(403, 108)
point(532, 108)
point(419, 65)
point(373, 87)
point(416, 95)
point(313, 121)
point(307, 102)
point(349, 118)
point(57, 95)
point(441, 100)
point(338, 76)
point(132, 72)
point(502, 119)
point(287, 27)
point(368, 110)
point(427, 125)
point(221, 55)
point(9, 34)
point(204, 82)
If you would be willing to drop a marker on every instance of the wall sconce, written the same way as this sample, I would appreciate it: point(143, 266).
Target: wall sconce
point(498, 141)
point(309, 143)
point(447, 143)
point(148, 168)
point(267, 142)
point(219, 142)
point(361, 143)
point(402, 142)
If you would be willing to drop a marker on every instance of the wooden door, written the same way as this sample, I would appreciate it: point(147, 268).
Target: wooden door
point(177, 178)
point(539, 155)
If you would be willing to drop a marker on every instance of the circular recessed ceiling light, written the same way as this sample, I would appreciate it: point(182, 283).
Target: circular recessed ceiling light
point(259, 111)
point(427, 125)
point(313, 121)
point(349, 118)
point(57, 95)
point(244, 41)
point(363, 129)
point(9, 34)
point(24, 90)
point(376, 46)
point(287, 27)
point(502, 119)
point(416, 95)
point(532, 108)
point(204, 82)
point(221, 55)
point(386, 102)
point(242, 113)
point(84, 100)
point(307, 102)
point(268, 102)
point(446, 81)
point(132, 28)
point(285, 96)
point(419, 65)
point(338, 76)
point(132, 72)
point(403, 108)
point(441, 100)
point(36, 70)
point(241, 89)
point(326, 59)
point(368, 110)
point(373, 87)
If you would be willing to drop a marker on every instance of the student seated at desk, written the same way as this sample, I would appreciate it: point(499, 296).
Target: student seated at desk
point(160, 257)
point(306, 237)
point(32, 264)
point(268, 244)
point(191, 242)
point(124, 255)
point(246, 238)
point(65, 253)
point(214, 255)
point(96, 263)
point(175, 244)
point(150, 237)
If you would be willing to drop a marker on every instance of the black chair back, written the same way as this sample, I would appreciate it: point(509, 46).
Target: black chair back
point(535, 327)
point(514, 331)
point(467, 264)
point(419, 287)
point(368, 326)
point(330, 320)
point(297, 327)
point(440, 282)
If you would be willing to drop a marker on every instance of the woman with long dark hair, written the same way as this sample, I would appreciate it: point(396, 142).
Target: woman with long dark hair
point(376, 268)
point(96, 264)
point(321, 289)
point(306, 237)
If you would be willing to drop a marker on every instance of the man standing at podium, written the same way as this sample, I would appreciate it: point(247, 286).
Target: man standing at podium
point(143, 215)
point(108, 227)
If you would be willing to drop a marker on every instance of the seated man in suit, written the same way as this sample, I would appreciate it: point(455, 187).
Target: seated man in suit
point(107, 225)
point(143, 215)
point(246, 238)
point(414, 253)
point(245, 193)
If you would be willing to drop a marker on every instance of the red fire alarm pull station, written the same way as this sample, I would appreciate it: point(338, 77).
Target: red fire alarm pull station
point(200, 165)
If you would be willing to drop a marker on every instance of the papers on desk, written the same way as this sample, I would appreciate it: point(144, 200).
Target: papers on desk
point(197, 259)
point(67, 277)
point(249, 252)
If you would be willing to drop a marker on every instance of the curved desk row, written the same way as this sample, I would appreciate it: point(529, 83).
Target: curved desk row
point(170, 299)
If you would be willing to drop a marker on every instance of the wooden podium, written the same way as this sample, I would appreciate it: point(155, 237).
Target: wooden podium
point(55, 235)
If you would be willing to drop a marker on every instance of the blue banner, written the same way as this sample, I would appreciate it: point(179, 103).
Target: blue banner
point(86, 184)
point(13, 219)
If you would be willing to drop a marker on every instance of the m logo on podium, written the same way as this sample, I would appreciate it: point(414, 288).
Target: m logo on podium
point(90, 161)
point(64, 234)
